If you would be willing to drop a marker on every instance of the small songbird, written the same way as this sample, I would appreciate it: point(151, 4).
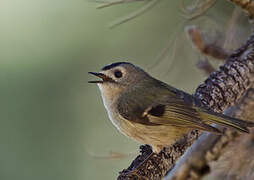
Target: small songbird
point(153, 112)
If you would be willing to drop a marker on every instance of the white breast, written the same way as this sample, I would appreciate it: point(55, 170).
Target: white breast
point(108, 100)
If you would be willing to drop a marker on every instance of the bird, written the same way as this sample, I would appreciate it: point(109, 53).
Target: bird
point(153, 112)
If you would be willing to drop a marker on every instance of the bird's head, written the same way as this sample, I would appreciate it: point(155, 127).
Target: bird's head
point(118, 77)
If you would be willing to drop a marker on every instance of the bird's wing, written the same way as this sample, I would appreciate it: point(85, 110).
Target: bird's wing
point(177, 112)
point(171, 110)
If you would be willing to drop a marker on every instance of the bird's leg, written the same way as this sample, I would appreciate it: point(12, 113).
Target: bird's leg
point(146, 152)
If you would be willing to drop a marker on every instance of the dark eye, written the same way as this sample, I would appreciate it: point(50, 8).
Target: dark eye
point(118, 74)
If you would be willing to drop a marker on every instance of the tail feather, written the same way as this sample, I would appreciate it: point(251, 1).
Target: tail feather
point(226, 121)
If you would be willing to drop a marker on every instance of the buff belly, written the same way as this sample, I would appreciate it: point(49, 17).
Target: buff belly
point(157, 136)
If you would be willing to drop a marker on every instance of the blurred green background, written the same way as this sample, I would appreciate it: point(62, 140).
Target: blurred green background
point(53, 123)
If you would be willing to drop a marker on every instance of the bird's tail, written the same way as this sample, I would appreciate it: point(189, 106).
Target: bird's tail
point(226, 121)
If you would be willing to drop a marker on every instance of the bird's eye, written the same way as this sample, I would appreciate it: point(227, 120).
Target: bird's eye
point(118, 74)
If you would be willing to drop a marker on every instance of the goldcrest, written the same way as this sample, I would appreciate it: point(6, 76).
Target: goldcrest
point(153, 112)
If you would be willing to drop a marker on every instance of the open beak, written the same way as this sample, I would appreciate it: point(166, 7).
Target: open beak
point(100, 75)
